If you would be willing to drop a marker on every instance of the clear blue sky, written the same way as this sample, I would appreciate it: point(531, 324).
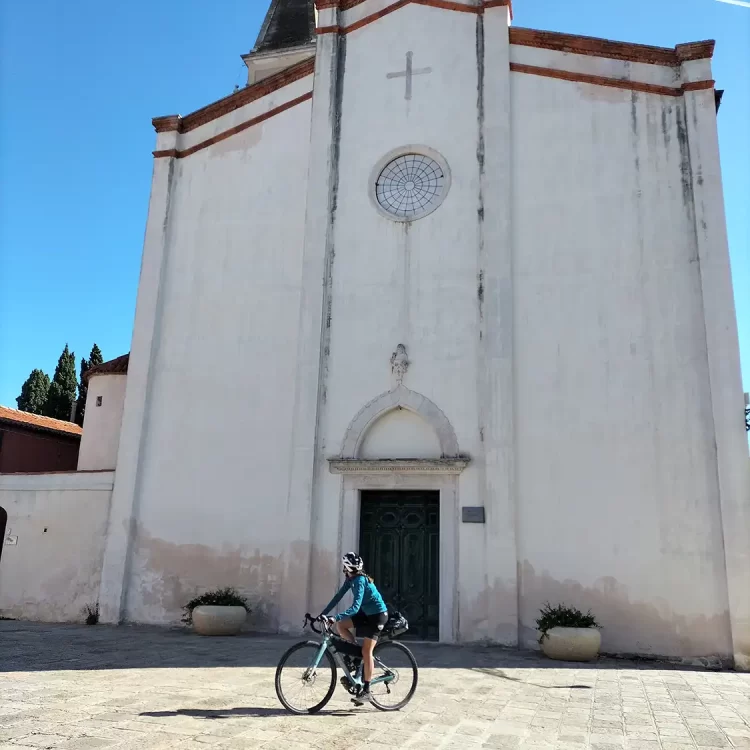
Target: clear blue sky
point(81, 80)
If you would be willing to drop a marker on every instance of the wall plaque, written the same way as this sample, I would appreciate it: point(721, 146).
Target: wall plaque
point(472, 514)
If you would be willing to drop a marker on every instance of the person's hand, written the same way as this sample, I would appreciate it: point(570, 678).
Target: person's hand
point(326, 620)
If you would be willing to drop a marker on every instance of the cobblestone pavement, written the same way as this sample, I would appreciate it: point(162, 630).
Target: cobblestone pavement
point(148, 689)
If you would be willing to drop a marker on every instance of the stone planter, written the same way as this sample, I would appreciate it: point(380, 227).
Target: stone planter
point(214, 620)
point(572, 644)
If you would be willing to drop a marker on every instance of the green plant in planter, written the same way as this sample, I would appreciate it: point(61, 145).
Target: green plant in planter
point(227, 597)
point(563, 617)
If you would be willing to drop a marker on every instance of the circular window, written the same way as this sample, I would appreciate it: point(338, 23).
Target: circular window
point(410, 185)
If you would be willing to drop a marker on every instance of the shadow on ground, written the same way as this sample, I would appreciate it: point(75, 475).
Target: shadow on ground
point(35, 647)
point(229, 713)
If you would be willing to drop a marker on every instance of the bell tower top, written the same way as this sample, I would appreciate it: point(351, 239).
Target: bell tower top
point(288, 23)
point(286, 37)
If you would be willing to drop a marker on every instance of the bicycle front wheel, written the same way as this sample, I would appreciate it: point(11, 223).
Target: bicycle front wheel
point(302, 687)
point(395, 676)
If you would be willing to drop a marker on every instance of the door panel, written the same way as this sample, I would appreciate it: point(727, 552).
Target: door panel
point(399, 541)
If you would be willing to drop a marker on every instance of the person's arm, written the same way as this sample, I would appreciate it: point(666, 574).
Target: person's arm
point(358, 592)
point(336, 599)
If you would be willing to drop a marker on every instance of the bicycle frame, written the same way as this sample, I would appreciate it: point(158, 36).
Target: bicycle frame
point(327, 644)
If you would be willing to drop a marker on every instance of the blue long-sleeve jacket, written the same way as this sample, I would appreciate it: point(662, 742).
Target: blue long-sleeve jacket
point(365, 595)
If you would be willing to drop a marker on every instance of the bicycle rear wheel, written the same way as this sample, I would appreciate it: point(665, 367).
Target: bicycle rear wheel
point(395, 676)
point(301, 688)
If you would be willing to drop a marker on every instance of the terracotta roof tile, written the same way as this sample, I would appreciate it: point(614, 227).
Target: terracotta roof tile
point(117, 366)
point(37, 422)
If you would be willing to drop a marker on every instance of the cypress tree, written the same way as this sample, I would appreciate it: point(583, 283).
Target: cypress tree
point(62, 391)
point(95, 358)
point(34, 393)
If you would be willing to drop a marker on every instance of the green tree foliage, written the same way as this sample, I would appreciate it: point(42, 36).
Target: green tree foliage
point(95, 358)
point(62, 391)
point(34, 393)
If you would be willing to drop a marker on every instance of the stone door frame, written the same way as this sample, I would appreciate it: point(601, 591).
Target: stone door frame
point(439, 474)
point(411, 474)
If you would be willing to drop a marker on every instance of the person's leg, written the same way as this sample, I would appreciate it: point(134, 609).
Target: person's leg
point(368, 644)
point(344, 628)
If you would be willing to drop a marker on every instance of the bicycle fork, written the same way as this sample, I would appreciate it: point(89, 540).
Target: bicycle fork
point(310, 671)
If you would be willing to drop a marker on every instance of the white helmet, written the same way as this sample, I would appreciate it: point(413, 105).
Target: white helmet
point(352, 563)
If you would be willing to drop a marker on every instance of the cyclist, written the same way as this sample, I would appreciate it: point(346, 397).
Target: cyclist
point(368, 614)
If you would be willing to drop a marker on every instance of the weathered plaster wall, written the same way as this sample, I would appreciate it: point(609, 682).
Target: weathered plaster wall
point(400, 434)
point(395, 283)
point(211, 493)
point(617, 477)
point(553, 313)
point(58, 521)
point(101, 434)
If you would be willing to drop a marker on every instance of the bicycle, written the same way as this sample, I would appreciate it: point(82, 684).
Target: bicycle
point(320, 658)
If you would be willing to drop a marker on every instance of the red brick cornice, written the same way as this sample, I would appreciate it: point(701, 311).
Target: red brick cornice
point(165, 152)
point(367, 20)
point(585, 45)
point(566, 75)
point(695, 50)
point(617, 83)
point(234, 101)
point(174, 153)
point(698, 85)
point(165, 124)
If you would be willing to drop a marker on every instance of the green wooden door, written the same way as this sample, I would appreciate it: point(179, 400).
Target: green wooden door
point(399, 542)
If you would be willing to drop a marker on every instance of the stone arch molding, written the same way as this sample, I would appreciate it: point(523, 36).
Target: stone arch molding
point(400, 397)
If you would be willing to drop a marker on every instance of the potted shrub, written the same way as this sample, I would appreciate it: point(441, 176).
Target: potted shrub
point(567, 633)
point(220, 612)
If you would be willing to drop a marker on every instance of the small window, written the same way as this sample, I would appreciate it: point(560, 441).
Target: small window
point(98, 400)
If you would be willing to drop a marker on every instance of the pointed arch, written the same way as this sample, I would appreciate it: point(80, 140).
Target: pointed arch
point(403, 398)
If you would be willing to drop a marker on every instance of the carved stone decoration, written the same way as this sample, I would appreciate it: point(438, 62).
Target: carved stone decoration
point(399, 363)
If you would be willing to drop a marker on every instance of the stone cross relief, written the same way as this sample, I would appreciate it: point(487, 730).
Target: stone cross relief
point(409, 73)
point(399, 363)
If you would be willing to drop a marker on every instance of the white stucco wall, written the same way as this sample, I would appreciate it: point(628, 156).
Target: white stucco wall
point(553, 309)
point(400, 434)
point(617, 488)
point(58, 523)
point(101, 429)
point(415, 284)
point(212, 473)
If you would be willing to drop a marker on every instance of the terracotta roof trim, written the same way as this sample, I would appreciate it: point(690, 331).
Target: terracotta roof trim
point(596, 47)
point(234, 101)
point(117, 366)
point(174, 153)
point(37, 422)
point(619, 83)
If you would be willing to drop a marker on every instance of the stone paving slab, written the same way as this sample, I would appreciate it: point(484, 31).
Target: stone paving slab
point(134, 688)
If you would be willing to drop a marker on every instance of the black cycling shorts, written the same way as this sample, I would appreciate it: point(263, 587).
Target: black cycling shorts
point(369, 626)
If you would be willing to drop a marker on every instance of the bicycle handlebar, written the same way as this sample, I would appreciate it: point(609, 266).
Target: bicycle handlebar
point(310, 620)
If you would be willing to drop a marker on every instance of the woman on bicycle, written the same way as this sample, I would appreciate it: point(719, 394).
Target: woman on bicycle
point(368, 614)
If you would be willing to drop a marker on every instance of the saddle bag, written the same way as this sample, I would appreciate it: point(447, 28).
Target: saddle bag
point(396, 625)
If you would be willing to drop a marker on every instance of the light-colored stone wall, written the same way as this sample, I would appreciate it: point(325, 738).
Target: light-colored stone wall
point(101, 434)
point(410, 283)
point(54, 539)
point(209, 478)
point(560, 330)
point(617, 478)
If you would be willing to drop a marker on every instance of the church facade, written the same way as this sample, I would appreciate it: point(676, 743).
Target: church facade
point(457, 295)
